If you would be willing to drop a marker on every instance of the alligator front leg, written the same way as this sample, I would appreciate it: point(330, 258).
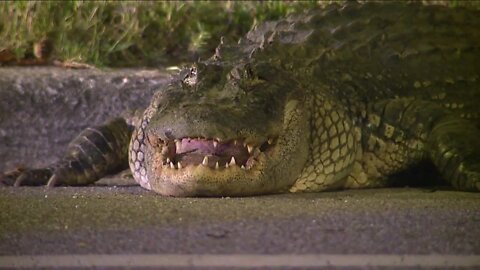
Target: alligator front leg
point(94, 153)
point(454, 147)
point(401, 132)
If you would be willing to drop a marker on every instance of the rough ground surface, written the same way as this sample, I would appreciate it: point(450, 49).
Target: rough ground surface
point(129, 220)
point(43, 108)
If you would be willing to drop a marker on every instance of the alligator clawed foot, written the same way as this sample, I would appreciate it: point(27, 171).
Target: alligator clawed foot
point(26, 177)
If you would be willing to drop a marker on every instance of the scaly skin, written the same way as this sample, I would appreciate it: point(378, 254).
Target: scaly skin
point(336, 98)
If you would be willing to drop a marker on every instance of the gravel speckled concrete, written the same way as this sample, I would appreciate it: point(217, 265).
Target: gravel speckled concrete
point(129, 220)
point(43, 108)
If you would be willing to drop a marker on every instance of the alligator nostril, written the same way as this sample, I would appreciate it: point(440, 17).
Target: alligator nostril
point(168, 134)
point(263, 147)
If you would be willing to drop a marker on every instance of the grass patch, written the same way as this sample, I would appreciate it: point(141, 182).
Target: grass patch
point(108, 33)
point(132, 33)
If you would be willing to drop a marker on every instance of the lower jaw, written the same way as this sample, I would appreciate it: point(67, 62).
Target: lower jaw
point(198, 181)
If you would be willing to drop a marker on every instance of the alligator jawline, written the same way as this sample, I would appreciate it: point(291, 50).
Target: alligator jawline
point(178, 154)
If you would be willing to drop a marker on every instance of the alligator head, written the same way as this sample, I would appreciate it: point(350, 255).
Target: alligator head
point(221, 129)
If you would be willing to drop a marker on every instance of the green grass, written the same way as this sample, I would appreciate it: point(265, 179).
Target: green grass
point(108, 33)
point(132, 33)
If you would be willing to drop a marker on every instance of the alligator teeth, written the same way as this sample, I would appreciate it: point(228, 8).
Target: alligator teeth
point(205, 161)
point(270, 141)
point(235, 142)
point(226, 165)
point(216, 166)
point(215, 144)
point(179, 165)
point(244, 144)
point(250, 149)
point(171, 165)
point(232, 161)
point(178, 144)
point(243, 167)
point(168, 160)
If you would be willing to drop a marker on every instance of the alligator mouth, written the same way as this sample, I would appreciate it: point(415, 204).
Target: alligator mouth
point(215, 154)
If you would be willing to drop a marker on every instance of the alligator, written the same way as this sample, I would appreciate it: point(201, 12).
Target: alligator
point(340, 97)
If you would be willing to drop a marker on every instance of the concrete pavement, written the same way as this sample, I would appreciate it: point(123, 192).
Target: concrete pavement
point(378, 225)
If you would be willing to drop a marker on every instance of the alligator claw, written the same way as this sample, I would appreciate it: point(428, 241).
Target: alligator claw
point(52, 181)
point(9, 178)
point(26, 177)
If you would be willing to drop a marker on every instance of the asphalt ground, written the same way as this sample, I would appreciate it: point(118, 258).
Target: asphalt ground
point(126, 226)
